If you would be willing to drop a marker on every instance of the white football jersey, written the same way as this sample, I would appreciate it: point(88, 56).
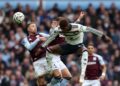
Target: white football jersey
point(75, 35)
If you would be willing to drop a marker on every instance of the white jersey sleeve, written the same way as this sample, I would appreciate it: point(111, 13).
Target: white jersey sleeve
point(51, 38)
point(83, 28)
point(79, 27)
point(52, 30)
point(100, 59)
point(29, 46)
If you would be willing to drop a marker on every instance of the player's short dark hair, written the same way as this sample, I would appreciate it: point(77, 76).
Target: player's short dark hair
point(63, 23)
point(29, 23)
point(57, 18)
point(90, 44)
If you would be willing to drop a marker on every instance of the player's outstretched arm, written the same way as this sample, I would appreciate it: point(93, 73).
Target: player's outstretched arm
point(50, 38)
point(29, 46)
point(100, 34)
point(82, 14)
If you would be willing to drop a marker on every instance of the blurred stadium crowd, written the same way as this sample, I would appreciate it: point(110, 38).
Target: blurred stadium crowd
point(15, 65)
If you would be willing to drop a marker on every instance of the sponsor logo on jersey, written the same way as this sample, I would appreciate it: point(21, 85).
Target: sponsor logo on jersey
point(91, 63)
point(72, 33)
point(30, 39)
point(94, 58)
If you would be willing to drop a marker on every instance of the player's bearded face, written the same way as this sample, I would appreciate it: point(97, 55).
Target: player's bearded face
point(32, 28)
point(91, 49)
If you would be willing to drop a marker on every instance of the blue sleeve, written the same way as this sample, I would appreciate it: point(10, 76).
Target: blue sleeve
point(101, 61)
point(29, 45)
point(44, 35)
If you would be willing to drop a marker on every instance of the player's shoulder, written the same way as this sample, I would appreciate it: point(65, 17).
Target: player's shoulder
point(44, 34)
point(75, 25)
point(97, 55)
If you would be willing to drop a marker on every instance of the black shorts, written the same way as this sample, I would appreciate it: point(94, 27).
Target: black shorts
point(69, 49)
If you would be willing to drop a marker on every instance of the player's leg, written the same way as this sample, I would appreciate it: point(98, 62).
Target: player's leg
point(63, 49)
point(84, 60)
point(66, 77)
point(55, 49)
point(56, 73)
point(57, 78)
point(65, 73)
point(40, 71)
point(41, 81)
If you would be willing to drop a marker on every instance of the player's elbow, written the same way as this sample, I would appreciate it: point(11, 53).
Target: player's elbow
point(104, 67)
point(28, 47)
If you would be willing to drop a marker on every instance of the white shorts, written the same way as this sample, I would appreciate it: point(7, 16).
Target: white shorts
point(91, 83)
point(56, 60)
point(41, 67)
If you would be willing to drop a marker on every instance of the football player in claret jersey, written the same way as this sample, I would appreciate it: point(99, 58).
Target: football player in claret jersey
point(95, 66)
point(33, 43)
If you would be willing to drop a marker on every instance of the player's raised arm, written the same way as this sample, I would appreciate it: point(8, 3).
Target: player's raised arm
point(28, 45)
point(83, 28)
point(100, 34)
point(82, 14)
point(53, 34)
point(50, 38)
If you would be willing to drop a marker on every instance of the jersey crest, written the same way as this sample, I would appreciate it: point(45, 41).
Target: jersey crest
point(94, 58)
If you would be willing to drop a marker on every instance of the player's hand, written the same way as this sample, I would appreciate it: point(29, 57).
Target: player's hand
point(43, 39)
point(106, 39)
point(82, 14)
point(81, 79)
point(102, 77)
point(80, 83)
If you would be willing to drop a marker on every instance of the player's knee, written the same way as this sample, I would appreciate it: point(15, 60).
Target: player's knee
point(68, 78)
point(41, 81)
point(57, 73)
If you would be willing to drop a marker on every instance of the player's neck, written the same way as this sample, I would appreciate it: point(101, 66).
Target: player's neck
point(31, 33)
point(90, 54)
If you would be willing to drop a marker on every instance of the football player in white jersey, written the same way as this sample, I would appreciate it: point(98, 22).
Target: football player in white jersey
point(73, 34)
